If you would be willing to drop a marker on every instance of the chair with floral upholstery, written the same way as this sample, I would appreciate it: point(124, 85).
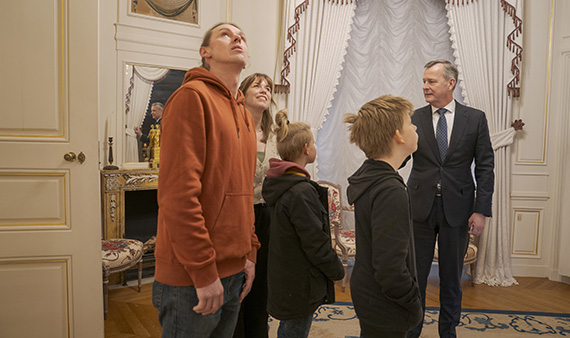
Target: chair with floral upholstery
point(343, 240)
point(470, 256)
point(119, 255)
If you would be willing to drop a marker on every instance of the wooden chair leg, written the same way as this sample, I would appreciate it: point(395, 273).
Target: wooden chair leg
point(140, 274)
point(105, 295)
point(345, 278)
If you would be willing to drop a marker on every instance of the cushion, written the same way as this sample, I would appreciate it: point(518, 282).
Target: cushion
point(120, 254)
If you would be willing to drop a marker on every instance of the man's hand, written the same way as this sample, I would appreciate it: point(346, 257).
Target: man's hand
point(476, 224)
point(249, 277)
point(138, 131)
point(210, 298)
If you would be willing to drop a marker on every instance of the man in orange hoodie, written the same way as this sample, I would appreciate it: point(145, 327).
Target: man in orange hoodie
point(206, 245)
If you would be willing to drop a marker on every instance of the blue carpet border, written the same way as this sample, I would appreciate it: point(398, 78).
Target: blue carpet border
point(506, 312)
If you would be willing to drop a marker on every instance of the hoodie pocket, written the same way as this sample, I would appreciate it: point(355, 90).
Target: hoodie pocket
point(232, 231)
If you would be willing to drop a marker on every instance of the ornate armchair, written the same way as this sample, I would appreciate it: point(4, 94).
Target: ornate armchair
point(470, 256)
point(343, 240)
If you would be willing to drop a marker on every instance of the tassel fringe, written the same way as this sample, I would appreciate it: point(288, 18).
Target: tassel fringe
point(285, 85)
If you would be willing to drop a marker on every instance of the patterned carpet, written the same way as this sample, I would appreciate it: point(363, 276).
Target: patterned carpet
point(339, 320)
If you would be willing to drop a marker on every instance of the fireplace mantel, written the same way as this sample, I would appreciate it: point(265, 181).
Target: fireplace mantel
point(114, 184)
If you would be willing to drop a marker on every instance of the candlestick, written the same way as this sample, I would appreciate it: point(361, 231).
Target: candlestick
point(110, 166)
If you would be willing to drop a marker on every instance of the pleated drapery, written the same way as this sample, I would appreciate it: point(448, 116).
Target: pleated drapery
point(317, 34)
point(390, 42)
point(487, 40)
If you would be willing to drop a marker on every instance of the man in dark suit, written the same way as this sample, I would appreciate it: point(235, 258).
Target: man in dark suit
point(156, 110)
point(442, 187)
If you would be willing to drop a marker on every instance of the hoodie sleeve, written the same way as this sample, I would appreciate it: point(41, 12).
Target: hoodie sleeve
point(390, 244)
point(182, 158)
point(307, 217)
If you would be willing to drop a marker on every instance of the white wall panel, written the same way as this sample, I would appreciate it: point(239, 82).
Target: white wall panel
point(262, 33)
point(530, 186)
point(526, 232)
point(531, 145)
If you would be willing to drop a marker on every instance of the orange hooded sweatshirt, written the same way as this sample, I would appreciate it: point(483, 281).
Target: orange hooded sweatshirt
point(205, 185)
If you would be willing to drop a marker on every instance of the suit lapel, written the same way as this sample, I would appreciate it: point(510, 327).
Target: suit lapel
point(459, 124)
point(426, 120)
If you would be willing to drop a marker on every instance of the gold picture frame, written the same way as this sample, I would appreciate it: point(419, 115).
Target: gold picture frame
point(185, 11)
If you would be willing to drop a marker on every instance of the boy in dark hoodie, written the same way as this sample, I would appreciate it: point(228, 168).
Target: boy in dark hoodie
point(302, 263)
point(383, 285)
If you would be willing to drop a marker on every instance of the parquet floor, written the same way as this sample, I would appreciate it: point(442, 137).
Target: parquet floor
point(131, 314)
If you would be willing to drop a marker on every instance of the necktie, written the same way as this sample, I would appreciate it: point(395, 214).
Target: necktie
point(441, 133)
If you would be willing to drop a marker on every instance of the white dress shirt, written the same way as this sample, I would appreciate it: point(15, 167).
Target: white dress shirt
point(449, 117)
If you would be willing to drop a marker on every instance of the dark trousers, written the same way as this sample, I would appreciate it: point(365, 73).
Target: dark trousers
point(367, 331)
point(452, 245)
point(252, 319)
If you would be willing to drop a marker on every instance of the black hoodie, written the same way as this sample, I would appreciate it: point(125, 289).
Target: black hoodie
point(383, 285)
point(302, 263)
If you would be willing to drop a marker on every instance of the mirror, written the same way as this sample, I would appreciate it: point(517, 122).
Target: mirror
point(147, 88)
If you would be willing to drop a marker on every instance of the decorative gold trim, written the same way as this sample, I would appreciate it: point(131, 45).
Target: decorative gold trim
point(229, 13)
point(63, 67)
point(65, 176)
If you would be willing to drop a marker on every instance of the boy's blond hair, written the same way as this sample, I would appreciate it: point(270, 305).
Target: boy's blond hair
point(291, 137)
point(375, 124)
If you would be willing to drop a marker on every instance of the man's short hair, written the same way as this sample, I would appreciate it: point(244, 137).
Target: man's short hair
point(449, 69)
point(208, 37)
point(375, 124)
point(158, 104)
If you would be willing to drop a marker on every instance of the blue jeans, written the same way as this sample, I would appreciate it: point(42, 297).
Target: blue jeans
point(175, 314)
point(295, 328)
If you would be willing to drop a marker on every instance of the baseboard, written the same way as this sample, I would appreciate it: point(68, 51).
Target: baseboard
point(530, 271)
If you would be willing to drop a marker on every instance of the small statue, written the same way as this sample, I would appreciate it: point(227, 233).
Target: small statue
point(157, 135)
point(155, 147)
point(151, 136)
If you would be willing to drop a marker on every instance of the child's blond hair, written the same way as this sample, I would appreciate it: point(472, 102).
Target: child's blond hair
point(375, 124)
point(291, 137)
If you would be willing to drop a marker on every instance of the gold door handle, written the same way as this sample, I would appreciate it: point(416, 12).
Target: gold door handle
point(70, 156)
point(81, 157)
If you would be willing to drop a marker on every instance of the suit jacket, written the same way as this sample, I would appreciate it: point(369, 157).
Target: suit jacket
point(469, 141)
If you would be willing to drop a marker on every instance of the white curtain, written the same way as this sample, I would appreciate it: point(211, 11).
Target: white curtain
point(317, 34)
point(480, 33)
point(389, 45)
point(141, 81)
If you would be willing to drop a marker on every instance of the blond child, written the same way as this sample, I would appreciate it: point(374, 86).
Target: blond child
point(383, 285)
point(302, 263)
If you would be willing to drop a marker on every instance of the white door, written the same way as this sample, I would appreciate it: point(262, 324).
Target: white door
point(50, 216)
